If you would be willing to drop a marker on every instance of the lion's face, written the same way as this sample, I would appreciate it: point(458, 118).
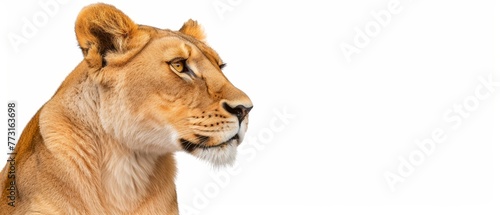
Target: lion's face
point(161, 90)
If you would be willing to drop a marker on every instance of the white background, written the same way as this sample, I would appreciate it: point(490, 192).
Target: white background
point(352, 121)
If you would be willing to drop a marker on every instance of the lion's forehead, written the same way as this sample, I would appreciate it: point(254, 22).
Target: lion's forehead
point(165, 34)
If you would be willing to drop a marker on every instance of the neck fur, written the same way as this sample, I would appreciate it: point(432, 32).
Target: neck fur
point(106, 172)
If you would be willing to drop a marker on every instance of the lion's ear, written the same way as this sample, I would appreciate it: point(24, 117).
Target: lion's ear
point(105, 35)
point(192, 28)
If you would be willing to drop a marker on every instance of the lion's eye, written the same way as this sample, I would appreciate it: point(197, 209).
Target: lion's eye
point(178, 65)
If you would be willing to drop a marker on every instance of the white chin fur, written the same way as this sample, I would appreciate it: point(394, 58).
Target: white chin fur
point(218, 156)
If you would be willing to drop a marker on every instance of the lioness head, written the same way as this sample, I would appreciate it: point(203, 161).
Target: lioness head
point(161, 90)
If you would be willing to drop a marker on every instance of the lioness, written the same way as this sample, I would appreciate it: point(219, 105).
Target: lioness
point(104, 143)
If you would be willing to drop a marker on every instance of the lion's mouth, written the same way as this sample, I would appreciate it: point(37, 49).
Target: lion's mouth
point(191, 146)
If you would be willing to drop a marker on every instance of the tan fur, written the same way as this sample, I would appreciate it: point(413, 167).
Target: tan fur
point(104, 143)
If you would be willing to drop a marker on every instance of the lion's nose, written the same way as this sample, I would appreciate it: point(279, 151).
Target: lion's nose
point(239, 111)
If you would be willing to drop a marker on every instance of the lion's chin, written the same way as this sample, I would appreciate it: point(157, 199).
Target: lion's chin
point(219, 156)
